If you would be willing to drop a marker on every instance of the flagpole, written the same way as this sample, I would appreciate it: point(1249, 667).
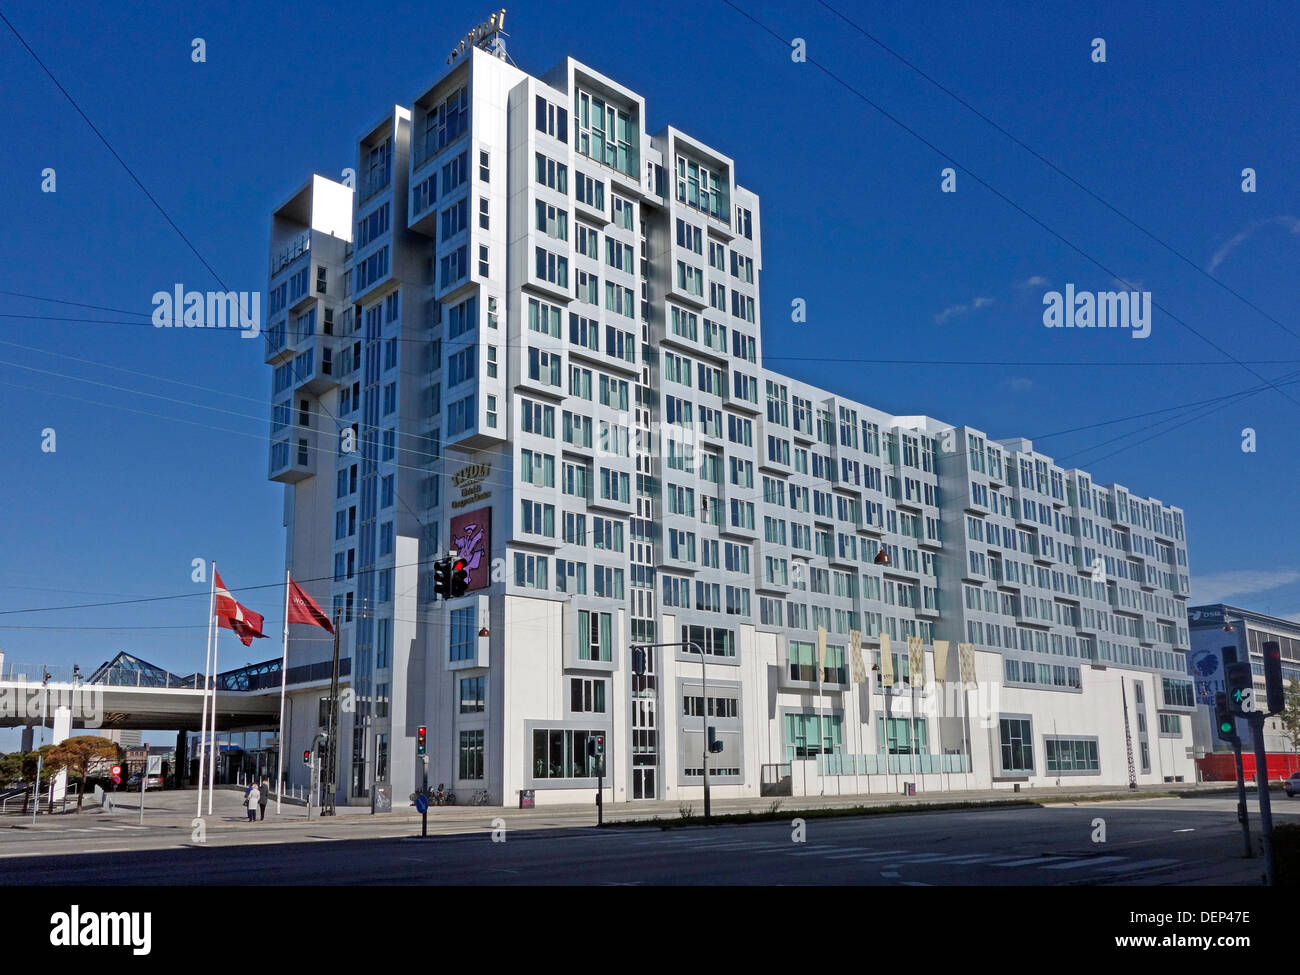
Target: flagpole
point(207, 663)
point(821, 701)
point(212, 765)
point(284, 664)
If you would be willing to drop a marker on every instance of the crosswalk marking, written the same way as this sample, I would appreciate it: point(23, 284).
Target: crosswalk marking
point(1082, 862)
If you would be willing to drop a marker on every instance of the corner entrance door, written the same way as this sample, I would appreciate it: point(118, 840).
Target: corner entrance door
point(643, 783)
point(645, 748)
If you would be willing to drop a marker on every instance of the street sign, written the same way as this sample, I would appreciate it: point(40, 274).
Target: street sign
point(421, 803)
point(155, 765)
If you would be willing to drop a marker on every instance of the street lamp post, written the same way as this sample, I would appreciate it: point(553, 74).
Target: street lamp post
point(704, 709)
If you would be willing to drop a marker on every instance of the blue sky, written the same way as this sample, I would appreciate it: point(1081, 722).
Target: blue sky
point(854, 223)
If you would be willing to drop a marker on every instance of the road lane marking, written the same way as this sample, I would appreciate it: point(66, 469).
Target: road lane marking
point(878, 855)
point(1139, 865)
point(1027, 861)
point(1083, 862)
point(969, 858)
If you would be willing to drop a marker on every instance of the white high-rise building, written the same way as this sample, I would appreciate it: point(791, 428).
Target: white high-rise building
point(531, 335)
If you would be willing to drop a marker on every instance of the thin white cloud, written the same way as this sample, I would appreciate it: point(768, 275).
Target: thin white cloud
point(1036, 281)
point(1219, 586)
point(1292, 224)
point(955, 311)
point(1021, 384)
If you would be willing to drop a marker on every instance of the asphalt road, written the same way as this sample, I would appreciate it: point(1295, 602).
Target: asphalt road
point(1155, 841)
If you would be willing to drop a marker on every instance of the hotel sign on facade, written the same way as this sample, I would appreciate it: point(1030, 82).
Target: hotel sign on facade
point(469, 481)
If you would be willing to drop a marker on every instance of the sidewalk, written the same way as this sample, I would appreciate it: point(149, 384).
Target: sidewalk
point(229, 812)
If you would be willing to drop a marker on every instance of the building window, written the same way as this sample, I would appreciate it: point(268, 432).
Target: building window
point(595, 635)
point(462, 634)
point(381, 758)
point(1072, 756)
point(902, 736)
point(586, 696)
point(1016, 741)
point(471, 694)
point(805, 736)
point(471, 754)
point(562, 754)
point(531, 571)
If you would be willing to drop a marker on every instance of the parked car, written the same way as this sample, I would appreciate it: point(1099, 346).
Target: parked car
point(1292, 785)
point(154, 782)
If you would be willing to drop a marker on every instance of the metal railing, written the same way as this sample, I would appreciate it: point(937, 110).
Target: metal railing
point(296, 248)
point(42, 799)
point(843, 764)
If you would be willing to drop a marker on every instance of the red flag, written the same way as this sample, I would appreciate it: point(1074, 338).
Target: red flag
point(303, 609)
point(232, 615)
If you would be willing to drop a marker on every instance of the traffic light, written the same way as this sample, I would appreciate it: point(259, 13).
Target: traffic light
point(638, 661)
point(306, 756)
point(1241, 687)
point(596, 746)
point(1225, 725)
point(459, 577)
point(1273, 689)
point(442, 578)
point(715, 746)
point(419, 740)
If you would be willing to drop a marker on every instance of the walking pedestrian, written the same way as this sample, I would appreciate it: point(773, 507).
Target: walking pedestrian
point(264, 795)
point(251, 799)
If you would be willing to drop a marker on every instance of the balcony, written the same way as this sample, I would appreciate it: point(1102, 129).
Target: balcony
point(293, 456)
point(276, 348)
point(282, 258)
point(374, 183)
point(314, 368)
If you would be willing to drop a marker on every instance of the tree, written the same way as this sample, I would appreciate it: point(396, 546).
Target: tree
point(11, 768)
point(77, 755)
point(1290, 716)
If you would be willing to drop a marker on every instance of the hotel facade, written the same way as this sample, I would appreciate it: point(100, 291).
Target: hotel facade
point(526, 330)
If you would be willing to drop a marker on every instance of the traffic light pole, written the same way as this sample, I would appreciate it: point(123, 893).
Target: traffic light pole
point(1243, 814)
point(704, 712)
point(1265, 807)
point(328, 773)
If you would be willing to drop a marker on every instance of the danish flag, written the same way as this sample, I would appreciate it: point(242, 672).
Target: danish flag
point(234, 616)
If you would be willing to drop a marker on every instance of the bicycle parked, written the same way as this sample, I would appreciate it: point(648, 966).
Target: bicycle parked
point(442, 796)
